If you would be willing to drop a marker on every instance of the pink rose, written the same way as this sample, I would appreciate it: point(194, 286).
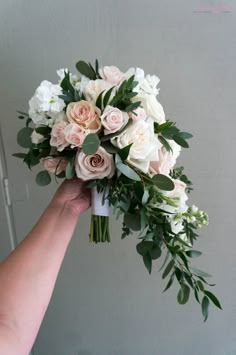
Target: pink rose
point(167, 160)
point(75, 135)
point(54, 165)
point(112, 74)
point(84, 114)
point(96, 166)
point(113, 119)
point(58, 136)
point(140, 114)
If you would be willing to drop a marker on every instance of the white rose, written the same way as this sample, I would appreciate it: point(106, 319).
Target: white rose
point(45, 102)
point(151, 106)
point(36, 138)
point(144, 144)
point(147, 84)
point(96, 166)
point(113, 119)
point(94, 88)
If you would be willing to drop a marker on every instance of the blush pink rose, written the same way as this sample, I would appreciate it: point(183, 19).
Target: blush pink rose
point(166, 161)
point(93, 89)
point(113, 119)
point(96, 166)
point(140, 114)
point(54, 165)
point(84, 114)
point(58, 135)
point(112, 74)
point(75, 135)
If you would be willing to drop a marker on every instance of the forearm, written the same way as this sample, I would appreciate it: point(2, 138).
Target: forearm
point(28, 275)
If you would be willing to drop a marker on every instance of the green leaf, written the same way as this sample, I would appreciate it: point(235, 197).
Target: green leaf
point(43, 130)
point(23, 113)
point(43, 178)
point(109, 147)
point(145, 197)
point(193, 253)
point(185, 135)
point(124, 152)
point(128, 172)
point(144, 246)
point(170, 282)
point(99, 100)
point(24, 137)
point(19, 155)
point(163, 182)
point(107, 97)
point(163, 126)
point(85, 70)
point(155, 252)
point(70, 169)
point(205, 307)
point(180, 141)
point(196, 295)
point(97, 67)
point(183, 295)
point(213, 298)
point(148, 262)
point(165, 144)
point(132, 106)
point(200, 285)
point(91, 144)
point(168, 268)
point(200, 272)
point(132, 221)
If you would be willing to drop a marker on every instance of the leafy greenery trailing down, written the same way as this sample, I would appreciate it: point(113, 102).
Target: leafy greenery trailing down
point(138, 201)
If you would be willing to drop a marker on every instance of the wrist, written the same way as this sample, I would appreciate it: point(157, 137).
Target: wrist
point(64, 208)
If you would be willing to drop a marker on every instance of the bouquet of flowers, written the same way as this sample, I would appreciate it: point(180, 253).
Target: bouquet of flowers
point(107, 128)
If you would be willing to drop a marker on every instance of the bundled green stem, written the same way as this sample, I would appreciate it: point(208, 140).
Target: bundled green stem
point(99, 229)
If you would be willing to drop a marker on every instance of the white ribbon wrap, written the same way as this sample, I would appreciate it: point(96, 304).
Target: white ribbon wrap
point(99, 209)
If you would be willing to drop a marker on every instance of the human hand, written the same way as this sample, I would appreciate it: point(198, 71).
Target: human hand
point(73, 195)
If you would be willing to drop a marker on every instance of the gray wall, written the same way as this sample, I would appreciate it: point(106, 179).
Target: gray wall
point(104, 302)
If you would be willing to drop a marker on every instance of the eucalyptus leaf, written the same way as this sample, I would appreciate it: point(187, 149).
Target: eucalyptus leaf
point(19, 155)
point(183, 295)
point(91, 144)
point(205, 307)
point(168, 268)
point(124, 152)
point(85, 69)
point(193, 253)
point(163, 182)
point(132, 221)
point(170, 282)
point(70, 169)
point(128, 172)
point(148, 262)
point(213, 298)
point(24, 137)
point(180, 141)
point(107, 97)
point(200, 272)
point(43, 178)
point(185, 135)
